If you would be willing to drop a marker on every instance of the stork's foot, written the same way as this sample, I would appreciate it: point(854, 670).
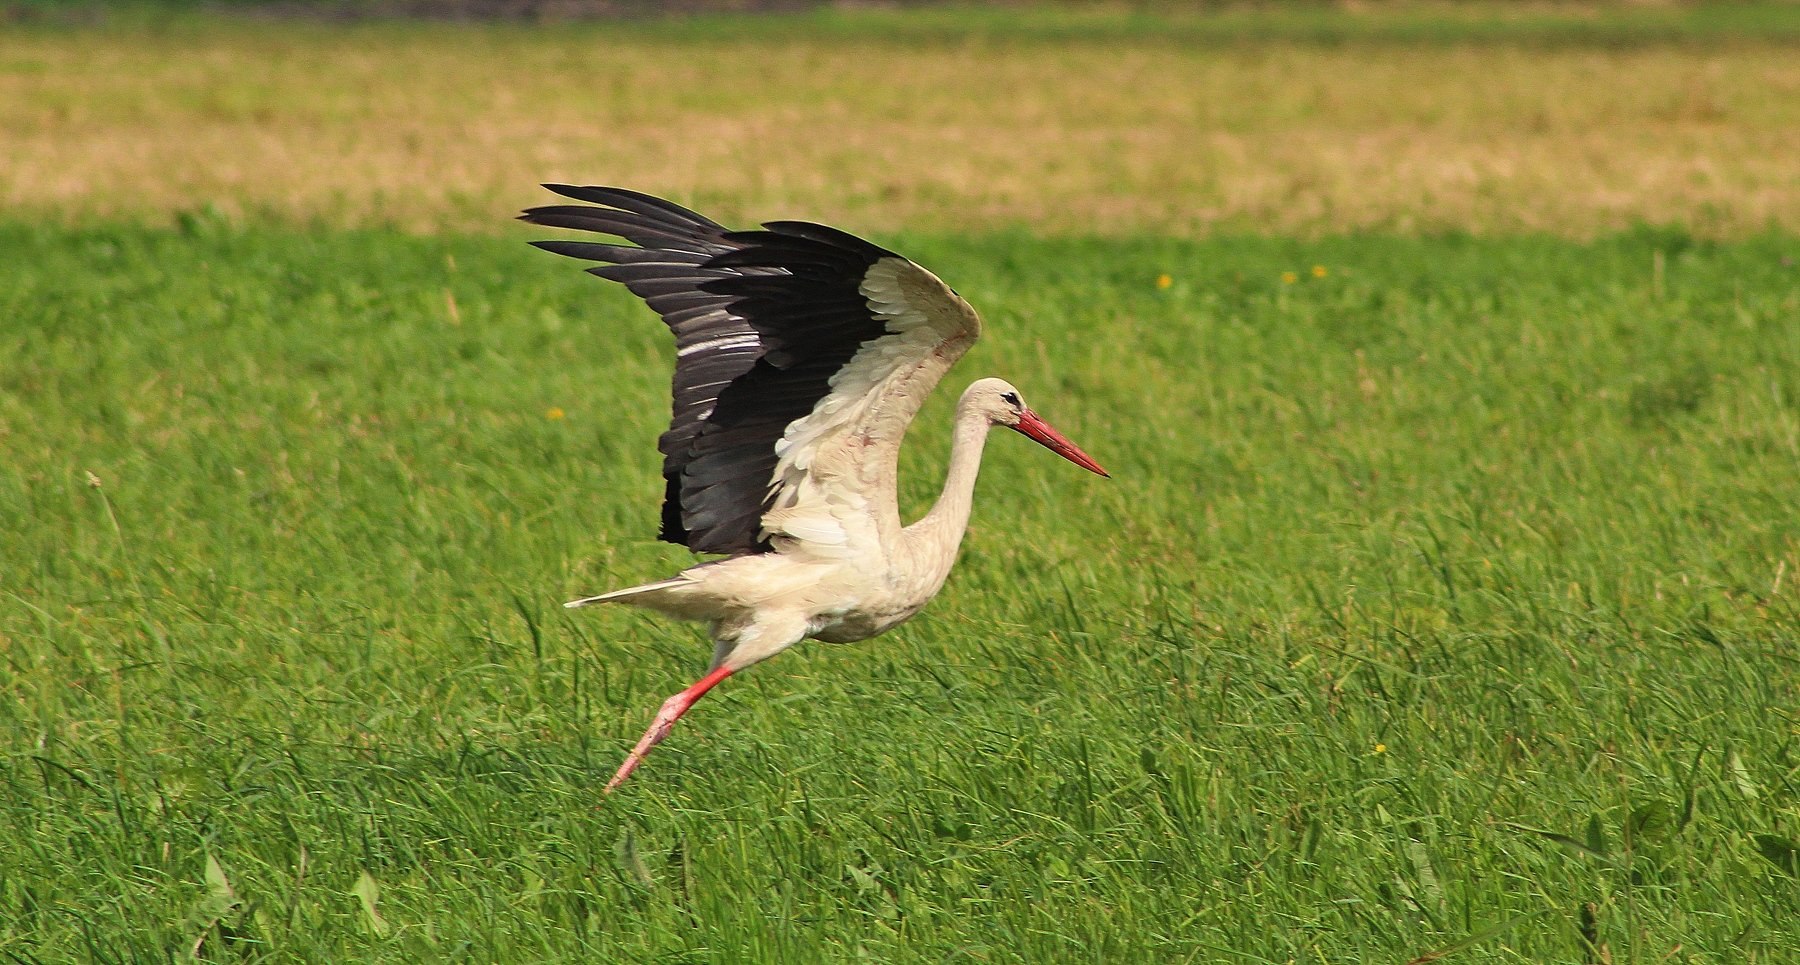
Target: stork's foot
point(671, 711)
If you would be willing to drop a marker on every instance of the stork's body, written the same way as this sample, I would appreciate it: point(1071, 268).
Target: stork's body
point(803, 354)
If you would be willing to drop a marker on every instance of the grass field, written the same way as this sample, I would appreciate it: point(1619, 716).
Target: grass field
point(1442, 606)
point(951, 121)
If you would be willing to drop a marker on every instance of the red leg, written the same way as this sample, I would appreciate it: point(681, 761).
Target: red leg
point(671, 711)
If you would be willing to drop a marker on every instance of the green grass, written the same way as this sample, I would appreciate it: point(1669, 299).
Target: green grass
point(1446, 602)
point(1602, 23)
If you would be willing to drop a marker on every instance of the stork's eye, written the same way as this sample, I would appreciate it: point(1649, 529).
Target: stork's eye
point(1010, 398)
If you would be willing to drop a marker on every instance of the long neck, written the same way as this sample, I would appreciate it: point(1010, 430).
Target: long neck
point(938, 534)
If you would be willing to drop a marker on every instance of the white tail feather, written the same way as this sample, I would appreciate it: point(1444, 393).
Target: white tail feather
point(629, 591)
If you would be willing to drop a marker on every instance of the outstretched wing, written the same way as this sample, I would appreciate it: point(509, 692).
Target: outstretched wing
point(801, 354)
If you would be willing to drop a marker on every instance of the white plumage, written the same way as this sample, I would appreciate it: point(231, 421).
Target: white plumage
point(803, 354)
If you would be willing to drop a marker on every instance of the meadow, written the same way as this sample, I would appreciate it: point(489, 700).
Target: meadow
point(1442, 604)
point(949, 121)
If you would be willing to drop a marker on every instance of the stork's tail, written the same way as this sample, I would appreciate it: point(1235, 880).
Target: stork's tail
point(625, 595)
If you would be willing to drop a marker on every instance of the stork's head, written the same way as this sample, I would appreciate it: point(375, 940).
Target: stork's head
point(1004, 406)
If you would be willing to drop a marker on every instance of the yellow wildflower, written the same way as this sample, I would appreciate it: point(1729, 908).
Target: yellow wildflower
point(1164, 281)
point(554, 413)
point(1288, 278)
point(1320, 271)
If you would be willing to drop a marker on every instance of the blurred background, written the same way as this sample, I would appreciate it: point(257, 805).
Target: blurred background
point(1568, 118)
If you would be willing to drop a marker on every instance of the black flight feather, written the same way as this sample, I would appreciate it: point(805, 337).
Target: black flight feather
point(762, 320)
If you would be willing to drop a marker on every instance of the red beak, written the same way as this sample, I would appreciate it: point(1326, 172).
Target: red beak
point(1039, 431)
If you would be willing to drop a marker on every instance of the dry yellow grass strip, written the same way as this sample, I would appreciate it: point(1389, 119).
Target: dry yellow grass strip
point(451, 126)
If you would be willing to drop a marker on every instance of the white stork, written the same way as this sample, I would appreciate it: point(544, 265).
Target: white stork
point(801, 355)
